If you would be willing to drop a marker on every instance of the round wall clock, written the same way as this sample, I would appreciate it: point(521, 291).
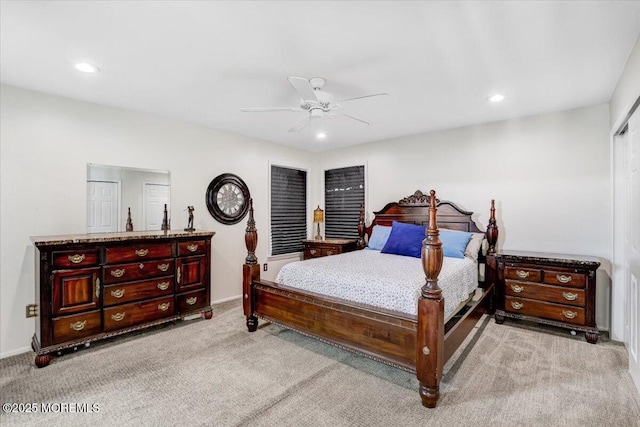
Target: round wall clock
point(228, 198)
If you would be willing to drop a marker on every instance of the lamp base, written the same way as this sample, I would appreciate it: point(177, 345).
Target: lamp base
point(318, 236)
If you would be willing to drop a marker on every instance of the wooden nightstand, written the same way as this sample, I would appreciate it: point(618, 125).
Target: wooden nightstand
point(557, 290)
point(320, 248)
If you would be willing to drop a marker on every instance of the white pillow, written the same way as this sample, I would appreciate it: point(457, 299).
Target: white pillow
point(473, 247)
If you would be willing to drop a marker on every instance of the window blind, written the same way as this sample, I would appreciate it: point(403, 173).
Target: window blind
point(344, 194)
point(288, 210)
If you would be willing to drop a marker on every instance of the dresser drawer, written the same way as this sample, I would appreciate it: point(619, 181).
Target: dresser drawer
point(563, 278)
point(137, 271)
point(127, 292)
point(76, 258)
point(191, 301)
point(70, 328)
point(522, 273)
point(196, 247)
point(136, 313)
point(545, 293)
point(534, 308)
point(140, 252)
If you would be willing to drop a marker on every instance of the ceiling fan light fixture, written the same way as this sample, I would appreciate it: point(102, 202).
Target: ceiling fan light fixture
point(86, 67)
point(496, 98)
point(321, 135)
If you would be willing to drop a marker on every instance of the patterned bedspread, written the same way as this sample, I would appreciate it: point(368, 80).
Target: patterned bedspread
point(381, 280)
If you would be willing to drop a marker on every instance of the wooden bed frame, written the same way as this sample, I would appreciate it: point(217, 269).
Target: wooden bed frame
point(417, 344)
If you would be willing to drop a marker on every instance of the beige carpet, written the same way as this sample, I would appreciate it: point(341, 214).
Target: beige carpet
point(215, 373)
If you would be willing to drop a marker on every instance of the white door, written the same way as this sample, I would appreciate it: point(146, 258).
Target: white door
point(155, 197)
point(632, 246)
point(102, 206)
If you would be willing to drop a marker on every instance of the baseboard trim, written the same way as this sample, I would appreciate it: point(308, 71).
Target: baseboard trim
point(15, 352)
point(220, 301)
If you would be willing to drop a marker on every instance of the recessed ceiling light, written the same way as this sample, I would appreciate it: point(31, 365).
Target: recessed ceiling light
point(321, 135)
point(496, 98)
point(86, 68)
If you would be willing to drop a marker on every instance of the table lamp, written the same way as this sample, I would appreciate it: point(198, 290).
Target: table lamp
point(318, 217)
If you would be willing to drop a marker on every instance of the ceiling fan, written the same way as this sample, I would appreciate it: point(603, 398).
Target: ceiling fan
point(313, 100)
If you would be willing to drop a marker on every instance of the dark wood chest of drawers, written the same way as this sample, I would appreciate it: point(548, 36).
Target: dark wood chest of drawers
point(96, 286)
point(327, 247)
point(557, 290)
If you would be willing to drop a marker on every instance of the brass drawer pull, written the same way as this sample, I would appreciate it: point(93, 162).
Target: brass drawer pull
point(98, 287)
point(142, 252)
point(163, 286)
point(517, 305)
point(569, 314)
point(192, 300)
point(117, 317)
point(517, 289)
point(117, 273)
point(78, 326)
point(76, 259)
point(522, 274)
point(312, 251)
point(163, 267)
point(329, 252)
point(192, 248)
point(562, 278)
point(570, 296)
point(178, 275)
point(164, 306)
point(118, 293)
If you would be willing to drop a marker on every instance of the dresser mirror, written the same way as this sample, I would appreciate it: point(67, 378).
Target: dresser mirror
point(113, 191)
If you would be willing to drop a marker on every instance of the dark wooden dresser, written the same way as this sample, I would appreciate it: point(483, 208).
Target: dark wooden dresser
point(327, 247)
point(95, 286)
point(552, 289)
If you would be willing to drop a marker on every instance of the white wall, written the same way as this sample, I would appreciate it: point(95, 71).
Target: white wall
point(627, 89)
point(45, 144)
point(549, 175)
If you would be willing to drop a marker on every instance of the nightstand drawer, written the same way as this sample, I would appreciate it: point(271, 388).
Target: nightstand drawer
point(545, 293)
point(330, 250)
point(522, 273)
point(562, 278)
point(312, 253)
point(534, 308)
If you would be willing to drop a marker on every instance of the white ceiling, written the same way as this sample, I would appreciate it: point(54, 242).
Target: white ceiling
point(200, 62)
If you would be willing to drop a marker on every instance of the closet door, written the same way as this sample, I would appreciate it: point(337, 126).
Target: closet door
point(632, 246)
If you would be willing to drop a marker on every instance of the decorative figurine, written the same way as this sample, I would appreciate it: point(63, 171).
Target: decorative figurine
point(165, 220)
point(129, 222)
point(190, 224)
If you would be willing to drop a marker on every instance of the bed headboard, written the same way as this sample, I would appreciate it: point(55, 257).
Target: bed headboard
point(414, 209)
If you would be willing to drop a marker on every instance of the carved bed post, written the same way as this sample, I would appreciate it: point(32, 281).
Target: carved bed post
point(430, 333)
point(250, 270)
point(491, 266)
point(361, 228)
point(492, 230)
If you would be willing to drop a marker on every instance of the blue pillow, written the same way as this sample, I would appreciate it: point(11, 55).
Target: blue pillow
point(405, 239)
point(454, 242)
point(379, 237)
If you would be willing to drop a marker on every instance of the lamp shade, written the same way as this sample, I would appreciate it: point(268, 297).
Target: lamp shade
point(318, 215)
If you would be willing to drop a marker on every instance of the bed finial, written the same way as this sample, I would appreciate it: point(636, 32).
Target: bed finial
point(430, 331)
point(251, 238)
point(492, 230)
point(361, 228)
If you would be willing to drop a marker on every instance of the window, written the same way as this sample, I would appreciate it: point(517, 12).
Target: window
point(343, 196)
point(288, 210)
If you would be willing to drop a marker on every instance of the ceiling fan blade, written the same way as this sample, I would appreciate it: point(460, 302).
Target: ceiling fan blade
point(300, 124)
point(362, 97)
point(303, 87)
point(354, 118)
point(268, 109)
